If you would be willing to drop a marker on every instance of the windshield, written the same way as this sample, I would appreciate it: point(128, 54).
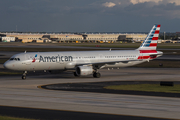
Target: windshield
point(16, 59)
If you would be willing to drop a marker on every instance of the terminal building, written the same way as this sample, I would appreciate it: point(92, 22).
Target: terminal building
point(74, 38)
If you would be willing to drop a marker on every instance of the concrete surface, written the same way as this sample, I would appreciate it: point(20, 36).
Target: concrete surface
point(24, 93)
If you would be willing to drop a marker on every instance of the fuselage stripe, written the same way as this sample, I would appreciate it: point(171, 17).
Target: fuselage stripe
point(147, 57)
point(148, 51)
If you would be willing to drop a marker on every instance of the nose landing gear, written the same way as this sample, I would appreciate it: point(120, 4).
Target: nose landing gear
point(24, 75)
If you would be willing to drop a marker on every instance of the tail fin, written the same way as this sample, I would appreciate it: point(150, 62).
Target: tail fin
point(150, 43)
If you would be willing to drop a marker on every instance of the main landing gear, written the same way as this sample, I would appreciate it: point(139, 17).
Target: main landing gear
point(75, 74)
point(96, 74)
point(24, 75)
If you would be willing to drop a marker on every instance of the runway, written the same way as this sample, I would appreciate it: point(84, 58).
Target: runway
point(24, 93)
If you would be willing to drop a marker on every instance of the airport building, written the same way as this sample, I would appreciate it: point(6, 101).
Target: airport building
point(75, 38)
point(8, 39)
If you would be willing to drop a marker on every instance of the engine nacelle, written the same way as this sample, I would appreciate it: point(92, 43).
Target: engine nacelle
point(84, 70)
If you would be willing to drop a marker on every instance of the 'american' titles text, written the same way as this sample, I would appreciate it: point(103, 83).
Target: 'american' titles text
point(55, 58)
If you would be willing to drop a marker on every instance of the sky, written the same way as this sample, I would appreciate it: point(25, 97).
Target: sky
point(89, 15)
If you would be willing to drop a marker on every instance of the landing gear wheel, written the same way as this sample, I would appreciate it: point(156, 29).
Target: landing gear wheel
point(75, 74)
point(96, 75)
point(23, 77)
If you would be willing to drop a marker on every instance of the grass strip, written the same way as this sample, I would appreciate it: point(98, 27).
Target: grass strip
point(10, 73)
point(12, 118)
point(147, 88)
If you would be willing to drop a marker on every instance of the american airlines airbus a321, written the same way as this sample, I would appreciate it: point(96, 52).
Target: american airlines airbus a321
point(86, 62)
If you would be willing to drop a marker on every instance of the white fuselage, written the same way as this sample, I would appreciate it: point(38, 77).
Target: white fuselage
point(33, 61)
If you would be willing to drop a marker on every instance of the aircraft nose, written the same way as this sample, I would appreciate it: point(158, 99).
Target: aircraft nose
point(7, 65)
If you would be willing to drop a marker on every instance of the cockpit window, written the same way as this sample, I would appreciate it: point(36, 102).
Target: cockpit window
point(16, 59)
point(11, 59)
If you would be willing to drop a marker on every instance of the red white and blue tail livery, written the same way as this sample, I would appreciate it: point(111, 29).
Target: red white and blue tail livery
point(150, 43)
point(148, 47)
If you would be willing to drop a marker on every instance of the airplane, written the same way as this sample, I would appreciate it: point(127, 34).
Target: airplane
point(85, 63)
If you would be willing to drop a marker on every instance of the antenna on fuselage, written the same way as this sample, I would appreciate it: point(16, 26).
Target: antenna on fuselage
point(110, 49)
point(25, 51)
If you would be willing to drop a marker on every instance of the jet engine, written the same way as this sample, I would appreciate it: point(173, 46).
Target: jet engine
point(84, 70)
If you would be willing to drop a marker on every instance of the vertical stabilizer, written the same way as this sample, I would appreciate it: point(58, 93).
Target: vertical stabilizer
point(150, 43)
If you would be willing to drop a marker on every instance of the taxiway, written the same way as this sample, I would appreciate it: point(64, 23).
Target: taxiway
point(25, 93)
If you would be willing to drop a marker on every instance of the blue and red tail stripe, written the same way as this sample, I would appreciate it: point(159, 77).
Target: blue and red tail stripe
point(158, 25)
point(151, 40)
point(155, 38)
point(147, 49)
point(150, 45)
point(156, 32)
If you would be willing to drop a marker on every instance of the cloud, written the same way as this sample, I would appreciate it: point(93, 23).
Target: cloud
point(167, 9)
point(70, 15)
point(177, 2)
point(143, 1)
point(109, 4)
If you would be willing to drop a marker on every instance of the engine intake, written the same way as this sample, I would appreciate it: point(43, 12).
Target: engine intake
point(84, 70)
